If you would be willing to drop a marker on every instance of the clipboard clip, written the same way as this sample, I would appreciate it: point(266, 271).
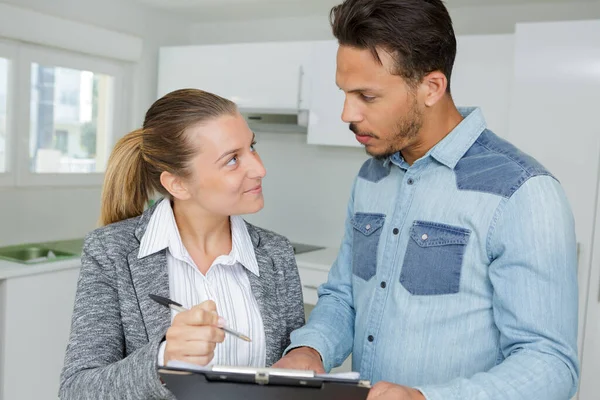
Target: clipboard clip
point(364, 384)
point(261, 378)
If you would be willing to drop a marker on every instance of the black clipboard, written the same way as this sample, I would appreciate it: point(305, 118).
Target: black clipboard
point(248, 383)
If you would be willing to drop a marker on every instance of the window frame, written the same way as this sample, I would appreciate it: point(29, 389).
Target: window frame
point(119, 108)
point(8, 51)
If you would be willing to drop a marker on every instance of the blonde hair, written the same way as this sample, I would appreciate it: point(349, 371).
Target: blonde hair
point(138, 159)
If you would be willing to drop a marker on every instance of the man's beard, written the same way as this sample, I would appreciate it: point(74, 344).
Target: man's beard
point(406, 128)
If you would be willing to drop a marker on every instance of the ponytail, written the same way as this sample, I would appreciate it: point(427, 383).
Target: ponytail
point(126, 182)
point(140, 157)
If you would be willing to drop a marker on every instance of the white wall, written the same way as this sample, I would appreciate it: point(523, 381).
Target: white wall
point(314, 212)
point(38, 214)
point(306, 188)
point(320, 205)
point(467, 20)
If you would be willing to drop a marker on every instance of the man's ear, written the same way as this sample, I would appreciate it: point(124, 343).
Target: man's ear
point(434, 86)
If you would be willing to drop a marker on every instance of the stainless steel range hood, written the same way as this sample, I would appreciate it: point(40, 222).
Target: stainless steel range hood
point(276, 120)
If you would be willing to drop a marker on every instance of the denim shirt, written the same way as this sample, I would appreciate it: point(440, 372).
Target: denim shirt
point(456, 275)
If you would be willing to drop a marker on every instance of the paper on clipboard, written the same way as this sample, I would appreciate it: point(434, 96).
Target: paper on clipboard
point(217, 382)
point(339, 376)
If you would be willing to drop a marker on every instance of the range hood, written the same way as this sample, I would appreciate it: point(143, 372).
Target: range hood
point(276, 120)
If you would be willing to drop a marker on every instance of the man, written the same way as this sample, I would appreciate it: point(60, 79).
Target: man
point(456, 277)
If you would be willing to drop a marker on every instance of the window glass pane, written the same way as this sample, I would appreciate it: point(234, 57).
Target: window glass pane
point(70, 120)
point(3, 92)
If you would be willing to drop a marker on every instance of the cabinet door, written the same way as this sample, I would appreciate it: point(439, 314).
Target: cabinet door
point(554, 112)
point(482, 76)
point(254, 75)
point(325, 125)
point(37, 323)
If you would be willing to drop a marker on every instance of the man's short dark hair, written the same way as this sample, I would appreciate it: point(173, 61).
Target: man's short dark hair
point(418, 33)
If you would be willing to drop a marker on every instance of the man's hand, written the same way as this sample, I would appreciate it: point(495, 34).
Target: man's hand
point(301, 358)
point(389, 391)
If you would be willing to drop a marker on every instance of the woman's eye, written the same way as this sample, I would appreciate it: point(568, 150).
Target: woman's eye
point(233, 161)
point(253, 146)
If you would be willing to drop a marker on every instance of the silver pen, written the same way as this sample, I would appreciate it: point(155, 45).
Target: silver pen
point(178, 307)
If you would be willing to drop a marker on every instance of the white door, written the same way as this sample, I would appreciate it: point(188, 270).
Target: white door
point(554, 112)
point(589, 388)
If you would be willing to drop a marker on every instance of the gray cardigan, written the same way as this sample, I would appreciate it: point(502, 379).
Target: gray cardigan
point(116, 328)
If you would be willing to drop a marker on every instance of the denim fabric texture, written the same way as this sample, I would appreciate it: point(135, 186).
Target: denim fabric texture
point(366, 241)
point(456, 275)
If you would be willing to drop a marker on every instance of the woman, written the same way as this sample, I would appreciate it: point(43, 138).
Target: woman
point(193, 247)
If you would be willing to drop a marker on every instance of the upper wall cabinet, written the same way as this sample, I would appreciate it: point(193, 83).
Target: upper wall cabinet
point(254, 75)
point(482, 77)
point(325, 125)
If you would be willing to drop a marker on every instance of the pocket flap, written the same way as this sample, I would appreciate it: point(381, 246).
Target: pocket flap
point(428, 234)
point(367, 223)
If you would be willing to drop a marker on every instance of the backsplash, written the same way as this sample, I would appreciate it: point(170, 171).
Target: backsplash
point(307, 188)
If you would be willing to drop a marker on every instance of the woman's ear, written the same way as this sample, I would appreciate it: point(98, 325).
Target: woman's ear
point(174, 185)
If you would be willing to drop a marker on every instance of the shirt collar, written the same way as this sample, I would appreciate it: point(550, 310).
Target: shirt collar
point(241, 244)
point(162, 233)
point(453, 147)
point(159, 231)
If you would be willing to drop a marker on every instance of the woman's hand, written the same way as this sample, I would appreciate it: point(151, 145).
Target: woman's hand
point(194, 334)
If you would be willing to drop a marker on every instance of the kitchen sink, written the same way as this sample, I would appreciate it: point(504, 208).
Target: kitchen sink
point(34, 254)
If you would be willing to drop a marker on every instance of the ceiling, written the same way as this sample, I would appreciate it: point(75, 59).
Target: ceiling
point(226, 10)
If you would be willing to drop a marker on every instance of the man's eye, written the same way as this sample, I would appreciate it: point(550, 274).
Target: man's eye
point(367, 98)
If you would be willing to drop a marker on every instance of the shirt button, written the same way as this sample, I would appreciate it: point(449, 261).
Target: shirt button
point(410, 181)
point(370, 338)
point(383, 285)
point(424, 237)
point(395, 231)
point(368, 227)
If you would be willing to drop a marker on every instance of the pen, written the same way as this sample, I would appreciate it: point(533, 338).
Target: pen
point(178, 307)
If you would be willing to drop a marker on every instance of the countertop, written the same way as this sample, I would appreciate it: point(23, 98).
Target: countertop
point(10, 269)
point(321, 260)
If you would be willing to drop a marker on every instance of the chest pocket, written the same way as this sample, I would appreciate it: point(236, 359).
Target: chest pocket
point(365, 241)
point(434, 256)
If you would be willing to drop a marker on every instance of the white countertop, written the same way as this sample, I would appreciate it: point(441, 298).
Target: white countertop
point(319, 259)
point(14, 270)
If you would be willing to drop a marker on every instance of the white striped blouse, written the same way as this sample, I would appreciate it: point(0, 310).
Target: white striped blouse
point(226, 283)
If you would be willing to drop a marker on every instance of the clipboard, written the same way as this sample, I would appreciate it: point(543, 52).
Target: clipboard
point(249, 383)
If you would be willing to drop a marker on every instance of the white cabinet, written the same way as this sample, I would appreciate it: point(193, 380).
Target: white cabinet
point(483, 75)
point(553, 117)
point(35, 321)
point(325, 125)
point(254, 75)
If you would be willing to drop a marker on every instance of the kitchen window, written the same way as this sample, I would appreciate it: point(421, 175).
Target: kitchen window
point(3, 113)
point(70, 120)
point(70, 109)
point(7, 57)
